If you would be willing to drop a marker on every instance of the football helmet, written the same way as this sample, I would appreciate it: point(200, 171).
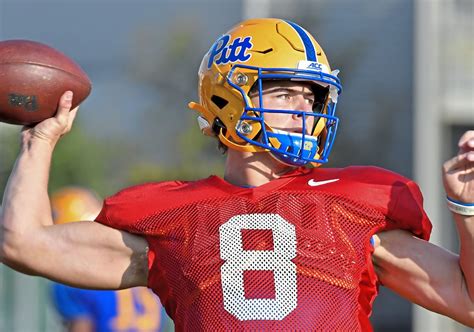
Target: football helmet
point(239, 61)
point(74, 204)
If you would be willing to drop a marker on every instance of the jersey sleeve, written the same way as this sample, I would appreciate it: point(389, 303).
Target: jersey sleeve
point(127, 208)
point(132, 209)
point(396, 196)
point(119, 211)
point(407, 212)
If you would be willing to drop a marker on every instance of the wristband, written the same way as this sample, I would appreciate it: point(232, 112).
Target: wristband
point(466, 209)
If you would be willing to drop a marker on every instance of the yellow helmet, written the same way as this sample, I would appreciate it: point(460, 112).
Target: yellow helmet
point(266, 49)
point(74, 204)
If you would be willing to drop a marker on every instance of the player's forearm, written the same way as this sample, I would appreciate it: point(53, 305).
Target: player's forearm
point(465, 226)
point(26, 204)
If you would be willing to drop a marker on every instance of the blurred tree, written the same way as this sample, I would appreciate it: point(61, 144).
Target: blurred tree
point(169, 62)
point(9, 147)
point(79, 159)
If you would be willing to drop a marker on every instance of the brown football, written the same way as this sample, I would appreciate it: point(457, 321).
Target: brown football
point(33, 76)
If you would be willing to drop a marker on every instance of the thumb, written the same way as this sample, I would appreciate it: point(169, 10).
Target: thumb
point(64, 106)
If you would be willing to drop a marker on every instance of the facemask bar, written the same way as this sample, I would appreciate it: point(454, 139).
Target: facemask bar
point(263, 141)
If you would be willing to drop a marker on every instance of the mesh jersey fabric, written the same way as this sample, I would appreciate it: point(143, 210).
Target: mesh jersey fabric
point(292, 254)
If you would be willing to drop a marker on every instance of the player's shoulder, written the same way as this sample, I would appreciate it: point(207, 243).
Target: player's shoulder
point(156, 196)
point(361, 174)
point(396, 196)
point(371, 185)
point(155, 189)
point(356, 176)
point(128, 207)
point(137, 191)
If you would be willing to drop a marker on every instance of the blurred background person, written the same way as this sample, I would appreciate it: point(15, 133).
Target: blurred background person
point(82, 310)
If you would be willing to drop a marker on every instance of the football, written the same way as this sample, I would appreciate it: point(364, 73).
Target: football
point(33, 76)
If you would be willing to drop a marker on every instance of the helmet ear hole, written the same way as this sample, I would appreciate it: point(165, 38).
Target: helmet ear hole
point(219, 101)
point(318, 107)
point(217, 126)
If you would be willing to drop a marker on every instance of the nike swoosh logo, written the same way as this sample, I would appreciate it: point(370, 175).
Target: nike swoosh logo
point(313, 183)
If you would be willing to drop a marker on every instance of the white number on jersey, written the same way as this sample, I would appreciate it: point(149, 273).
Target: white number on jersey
point(277, 260)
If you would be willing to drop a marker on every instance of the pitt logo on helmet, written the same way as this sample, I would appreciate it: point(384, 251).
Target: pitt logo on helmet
point(237, 51)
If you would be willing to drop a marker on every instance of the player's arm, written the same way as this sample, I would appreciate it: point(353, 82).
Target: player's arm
point(84, 254)
point(424, 273)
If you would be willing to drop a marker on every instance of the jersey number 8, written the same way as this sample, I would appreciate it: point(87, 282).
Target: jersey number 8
point(278, 260)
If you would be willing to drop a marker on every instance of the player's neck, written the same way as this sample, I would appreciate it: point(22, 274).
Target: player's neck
point(248, 169)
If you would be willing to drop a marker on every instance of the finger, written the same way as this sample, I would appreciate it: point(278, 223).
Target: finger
point(466, 142)
point(464, 160)
point(467, 145)
point(64, 106)
point(26, 128)
point(72, 116)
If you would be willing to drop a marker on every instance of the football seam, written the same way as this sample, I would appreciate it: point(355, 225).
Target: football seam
point(52, 67)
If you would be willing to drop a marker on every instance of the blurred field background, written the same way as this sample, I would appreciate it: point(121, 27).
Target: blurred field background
point(407, 68)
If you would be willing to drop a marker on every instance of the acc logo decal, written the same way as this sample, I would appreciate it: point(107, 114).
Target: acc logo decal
point(312, 65)
point(221, 52)
point(315, 66)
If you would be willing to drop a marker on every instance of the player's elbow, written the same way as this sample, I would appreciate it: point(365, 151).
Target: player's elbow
point(15, 244)
point(4, 246)
point(14, 254)
point(9, 246)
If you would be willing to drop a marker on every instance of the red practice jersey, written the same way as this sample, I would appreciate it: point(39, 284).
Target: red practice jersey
point(293, 254)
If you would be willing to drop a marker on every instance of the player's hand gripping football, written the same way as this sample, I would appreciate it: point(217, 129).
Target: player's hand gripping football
point(458, 172)
point(51, 130)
